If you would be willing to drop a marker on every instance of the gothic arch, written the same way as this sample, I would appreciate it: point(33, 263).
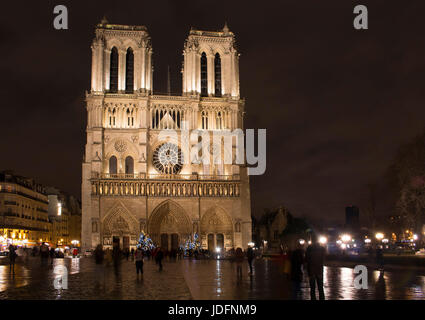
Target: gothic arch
point(119, 220)
point(168, 217)
point(216, 220)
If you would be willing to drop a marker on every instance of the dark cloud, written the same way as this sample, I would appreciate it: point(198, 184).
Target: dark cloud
point(336, 102)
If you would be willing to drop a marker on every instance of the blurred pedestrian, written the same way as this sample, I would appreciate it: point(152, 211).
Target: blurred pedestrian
point(250, 256)
point(52, 254)
point(74, 252)
point(296, 272)
point(380, 258)
point(44, 253)
point(139, 260)
point(99, 254)
point(12, 258)
point(239, 257)
point(315, 256)
point(116, 257)
point(158, 257)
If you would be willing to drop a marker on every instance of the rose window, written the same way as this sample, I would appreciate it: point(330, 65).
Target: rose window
point(168, 158)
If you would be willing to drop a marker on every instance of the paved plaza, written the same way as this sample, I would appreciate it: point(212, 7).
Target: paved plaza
point(193, 279)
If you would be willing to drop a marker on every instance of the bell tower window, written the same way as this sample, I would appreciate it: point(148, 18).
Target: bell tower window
point(217, 74)
point(129, 71)
point(204, 75)
point(113, 73)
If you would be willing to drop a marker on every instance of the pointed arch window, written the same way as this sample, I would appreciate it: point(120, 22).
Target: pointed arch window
point(113, 165)
point(130, 118)
point(113, 72)
point(204, 120)
point(217, 74)
point(219, 121)
point(129, 71)
point(129, 165)
point(204, 75)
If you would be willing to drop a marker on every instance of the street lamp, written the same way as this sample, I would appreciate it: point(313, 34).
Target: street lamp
point(346, 238)
point(323, 240)
point(379, 236)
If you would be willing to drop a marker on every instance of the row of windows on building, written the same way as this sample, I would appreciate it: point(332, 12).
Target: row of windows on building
point(129, 73)
point(113, 115)
point(170, 119)
point(113, 165)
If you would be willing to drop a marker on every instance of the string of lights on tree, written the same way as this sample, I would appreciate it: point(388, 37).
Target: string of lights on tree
point(146, 242)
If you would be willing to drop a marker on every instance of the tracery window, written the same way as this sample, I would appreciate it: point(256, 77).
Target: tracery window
point(204, 115)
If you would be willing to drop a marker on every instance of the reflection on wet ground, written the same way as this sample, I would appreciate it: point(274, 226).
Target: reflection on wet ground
point(195, 279)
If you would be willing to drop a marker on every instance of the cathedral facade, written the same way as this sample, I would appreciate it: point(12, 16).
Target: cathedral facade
point(133, 179)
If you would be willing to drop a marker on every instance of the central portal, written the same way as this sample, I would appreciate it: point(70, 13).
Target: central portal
point(169, 226)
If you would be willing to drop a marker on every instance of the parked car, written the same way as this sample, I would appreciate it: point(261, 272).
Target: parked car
point(4, 253)
point(421, 252)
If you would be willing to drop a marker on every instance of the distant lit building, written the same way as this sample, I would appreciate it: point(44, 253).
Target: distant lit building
point(269, 227)
point(24, 217)
point(65, 215)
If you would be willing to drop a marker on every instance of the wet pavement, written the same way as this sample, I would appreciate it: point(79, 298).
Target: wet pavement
point(194, 279)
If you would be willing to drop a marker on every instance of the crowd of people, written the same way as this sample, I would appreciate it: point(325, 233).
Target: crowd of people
point(45, 253)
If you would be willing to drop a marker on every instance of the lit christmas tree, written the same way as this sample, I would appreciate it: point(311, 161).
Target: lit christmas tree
point(146, 242)
point(192, 244)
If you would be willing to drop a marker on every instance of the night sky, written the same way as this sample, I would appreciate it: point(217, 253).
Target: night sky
point(336, 102)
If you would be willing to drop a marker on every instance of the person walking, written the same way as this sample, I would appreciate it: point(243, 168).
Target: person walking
point(315, 256)
point(250, 256)
point(52, 254)
point(44, 253)
point(99, 254)
point(12, 258)
point(296, 273)
point(158, 257)
point(380, 258)
point(139, 260)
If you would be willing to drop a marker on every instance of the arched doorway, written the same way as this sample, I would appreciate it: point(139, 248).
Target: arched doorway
point(216, 230)
point(169, 226)
point(119, 228)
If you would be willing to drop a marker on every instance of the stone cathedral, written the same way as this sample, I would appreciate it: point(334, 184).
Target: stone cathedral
point(130, 182)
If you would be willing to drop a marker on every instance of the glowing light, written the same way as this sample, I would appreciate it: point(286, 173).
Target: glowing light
point(346, 238)
point(323, 240)
point(367, 241)
point(251, 244)
point(385, 240)
point(59, 209)
point(415, 237)
point(343, 246)
point(379, 236)
point(13, 235)
point(301, 241)
point(338, 241)
point(218, 250)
